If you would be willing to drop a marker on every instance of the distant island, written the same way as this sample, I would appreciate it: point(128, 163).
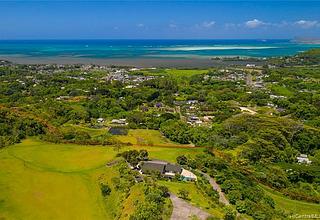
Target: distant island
point(306, 40)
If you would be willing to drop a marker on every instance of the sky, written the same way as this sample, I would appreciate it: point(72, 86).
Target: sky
point(263, 19)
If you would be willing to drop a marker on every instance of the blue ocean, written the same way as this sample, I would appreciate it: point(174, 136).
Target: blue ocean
point(175, 49)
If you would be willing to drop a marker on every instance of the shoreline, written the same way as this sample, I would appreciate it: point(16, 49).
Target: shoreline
point(131, 62)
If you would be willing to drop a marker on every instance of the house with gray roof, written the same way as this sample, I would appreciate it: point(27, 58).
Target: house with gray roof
point(166, 169)
point(147, 167)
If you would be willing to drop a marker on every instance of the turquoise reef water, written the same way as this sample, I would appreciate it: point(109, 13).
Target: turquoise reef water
point(150, 48)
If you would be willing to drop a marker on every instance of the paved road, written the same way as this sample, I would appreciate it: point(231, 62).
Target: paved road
point(182, 210)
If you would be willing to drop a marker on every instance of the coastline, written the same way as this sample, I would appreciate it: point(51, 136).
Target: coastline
point(132, 62)
point(148, 53)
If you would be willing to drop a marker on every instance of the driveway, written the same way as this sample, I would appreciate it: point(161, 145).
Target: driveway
point(182, 210)
point(216, 187)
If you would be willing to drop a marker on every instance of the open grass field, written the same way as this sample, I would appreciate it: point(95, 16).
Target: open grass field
point(178, 74)
point(61, 158)
point(281, 90)
point(37, 185)
point(40, 180)
point(186, 72)
point(158, 146)
point(292, 206)
point(168, 153)
point(195, 195)
point(145, 137)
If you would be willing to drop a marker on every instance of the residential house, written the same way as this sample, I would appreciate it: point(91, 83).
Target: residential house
point(194, 120)
point(166, 169)
point(119, 121)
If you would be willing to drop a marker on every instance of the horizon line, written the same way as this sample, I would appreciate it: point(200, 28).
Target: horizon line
point(149, 39)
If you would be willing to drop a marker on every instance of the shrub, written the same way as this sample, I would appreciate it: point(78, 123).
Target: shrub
point(183, 194)
point(230, 213)
point(105, 189)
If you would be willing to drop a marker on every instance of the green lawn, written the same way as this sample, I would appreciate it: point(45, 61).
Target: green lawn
point(292, 206)
point(40, 180)
point(281, 90)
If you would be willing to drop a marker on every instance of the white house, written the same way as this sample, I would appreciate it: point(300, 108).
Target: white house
point(119, 121)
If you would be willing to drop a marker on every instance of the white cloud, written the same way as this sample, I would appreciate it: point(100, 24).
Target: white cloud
point(208, 24)
point(307, 24)
point(255, 23)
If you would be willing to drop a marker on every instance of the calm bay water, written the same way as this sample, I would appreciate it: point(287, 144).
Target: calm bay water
point(175, 49)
